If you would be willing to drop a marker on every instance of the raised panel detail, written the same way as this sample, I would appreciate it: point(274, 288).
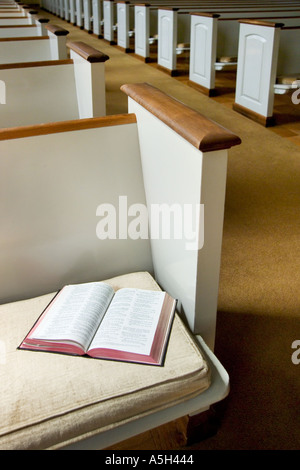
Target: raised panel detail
point(254, 51)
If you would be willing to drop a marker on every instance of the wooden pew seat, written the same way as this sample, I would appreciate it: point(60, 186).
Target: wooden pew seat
point(43, 385)
point(288, 79)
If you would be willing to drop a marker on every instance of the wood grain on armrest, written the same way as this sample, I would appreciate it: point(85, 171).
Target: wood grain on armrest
point(204, 134)
point(40, 63)
point(209, 15)
point(65, 126)
point(18, 26)
point(41, 19)
point(270, 24)
point(87, 52)
point(57, 30)
point(25, 38)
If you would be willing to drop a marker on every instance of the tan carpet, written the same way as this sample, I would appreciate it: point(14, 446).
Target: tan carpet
point(259, 300)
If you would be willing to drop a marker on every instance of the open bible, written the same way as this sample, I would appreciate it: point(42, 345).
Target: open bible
point(91, 319)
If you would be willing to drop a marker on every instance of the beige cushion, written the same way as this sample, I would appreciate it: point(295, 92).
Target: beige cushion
point(183, 45)
point(227, 59)
point(50, 400)
point(287, 79)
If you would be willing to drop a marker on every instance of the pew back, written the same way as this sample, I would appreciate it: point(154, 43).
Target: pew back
point(71, 175)
point(52, 90)
point(61, 179)
point(36, 48)
point(272, 54)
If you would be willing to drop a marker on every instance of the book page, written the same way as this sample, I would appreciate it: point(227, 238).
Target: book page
point(130, 322)
point(75, 313)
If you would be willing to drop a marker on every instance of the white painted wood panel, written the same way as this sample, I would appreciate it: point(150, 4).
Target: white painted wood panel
point(203, 51)
point(49, 194)
point(167, 26)
point(257, 66)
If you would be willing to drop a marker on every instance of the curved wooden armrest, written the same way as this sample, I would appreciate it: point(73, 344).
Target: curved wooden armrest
point(168, 8)
point(209, 15)
point(57, 30)
point(41, 19)
point(271, 24)
point(204, 134)
point(66, 126)
point(87, 52)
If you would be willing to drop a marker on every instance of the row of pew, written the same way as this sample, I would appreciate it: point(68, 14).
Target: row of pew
point(61, 160)
point(41, 71)
point(211, 36)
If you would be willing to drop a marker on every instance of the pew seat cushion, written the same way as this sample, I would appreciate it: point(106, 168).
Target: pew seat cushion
point(183, 45)
point(226, 59)
point(51, 400)
point(287, 79)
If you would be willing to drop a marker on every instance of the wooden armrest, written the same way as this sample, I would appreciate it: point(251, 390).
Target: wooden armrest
point(57, 30)
point(41, 19)
point(66, 126)
point(271, 24)
point(40, 63)
point(204, 134)
point(168, 8)
point(17, 26)
point(87, 52)
point(25, 38)
point(210, 15)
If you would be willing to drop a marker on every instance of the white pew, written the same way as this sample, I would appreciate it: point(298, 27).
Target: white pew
point(55, 90)
point(109, 21)
point(71, 168)
point(12, 12)
point(79, 13)
point(272, 56)
point(37, 29)
point(97, 12)
point(88, 15)
point(36, 48)
point(214, 44)
point(13, 20)
point(125, 21)
point(174, 27)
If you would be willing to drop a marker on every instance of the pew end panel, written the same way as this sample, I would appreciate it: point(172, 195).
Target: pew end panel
point(97, 17)
point(68, 176)
point(167, 39)
point(124, 20)
point(203, 52)
point(190, 269)
point(109, 21)
point(142, 31)
point(89, 70)
point(257, 69)
point(58, 38)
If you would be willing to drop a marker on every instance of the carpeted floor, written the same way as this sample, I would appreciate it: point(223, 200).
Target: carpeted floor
point(259, 298)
